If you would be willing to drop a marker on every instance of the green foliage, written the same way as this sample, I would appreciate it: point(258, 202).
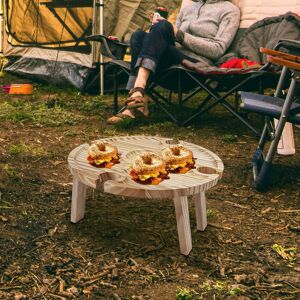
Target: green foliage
point(286, 253)
point(218, 286)
point(230, 138)
point(126, 123)
point(40, 114)
point(210, 213)
point(184, 294)
point(10, 172)
point(17, 149)
point(235, 292)
point(92, 106)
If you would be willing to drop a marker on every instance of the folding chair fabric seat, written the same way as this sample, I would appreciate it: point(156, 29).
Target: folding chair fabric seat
point(270, 106)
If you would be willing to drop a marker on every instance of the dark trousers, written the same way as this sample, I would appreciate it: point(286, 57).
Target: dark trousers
point(157, 48)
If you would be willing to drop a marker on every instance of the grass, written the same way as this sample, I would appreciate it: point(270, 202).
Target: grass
point(10, 172)
point(210, 213)
point(230, 138)
point(184, 294)
point(38, 113)
point(16, 149)
point(21, 148)
point(287, 254)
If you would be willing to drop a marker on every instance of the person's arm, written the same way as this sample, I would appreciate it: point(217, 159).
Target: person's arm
point(178, 20)
point(215, 47)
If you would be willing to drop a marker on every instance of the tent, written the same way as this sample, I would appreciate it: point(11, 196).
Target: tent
point(44, 39)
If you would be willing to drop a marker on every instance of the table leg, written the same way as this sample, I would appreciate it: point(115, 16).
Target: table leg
point(200, 208)
point(78, 200)
point(183, 224)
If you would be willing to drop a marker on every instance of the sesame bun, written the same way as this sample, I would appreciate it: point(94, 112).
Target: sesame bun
point(148, 163)
point(102, 150)
point(176, 155)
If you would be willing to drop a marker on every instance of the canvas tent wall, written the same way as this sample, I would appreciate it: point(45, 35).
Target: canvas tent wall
point(40, 46)
point(48, 46)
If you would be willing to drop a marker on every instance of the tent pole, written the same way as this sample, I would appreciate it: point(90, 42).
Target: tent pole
point(101, 56)
point(1, 26)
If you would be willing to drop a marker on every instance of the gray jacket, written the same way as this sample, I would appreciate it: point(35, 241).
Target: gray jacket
point(206, 29)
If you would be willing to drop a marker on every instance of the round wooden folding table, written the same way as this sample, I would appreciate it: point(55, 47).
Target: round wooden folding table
point(117, 181)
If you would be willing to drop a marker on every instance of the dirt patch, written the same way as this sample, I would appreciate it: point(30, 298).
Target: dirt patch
point(127, 248)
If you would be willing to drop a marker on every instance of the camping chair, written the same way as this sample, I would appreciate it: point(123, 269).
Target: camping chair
point(214, 80)
point(220, 83)
point(114, 51)
point(285, 110)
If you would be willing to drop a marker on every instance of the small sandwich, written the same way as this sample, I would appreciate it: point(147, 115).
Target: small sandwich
point(178, 159)
point(103, 155)
point(148, 168)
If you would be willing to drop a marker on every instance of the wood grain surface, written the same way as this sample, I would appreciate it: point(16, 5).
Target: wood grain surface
point(117, 180)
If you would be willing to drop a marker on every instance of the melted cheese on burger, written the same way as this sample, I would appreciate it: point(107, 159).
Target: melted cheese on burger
point(173, 167)
point(144, 177)
point(101, 161)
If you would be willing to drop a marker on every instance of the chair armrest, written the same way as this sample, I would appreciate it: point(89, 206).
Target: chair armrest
point(109, 47)
point(290, 46)
point(283, 62)
point(280, 54)
point(100, 37)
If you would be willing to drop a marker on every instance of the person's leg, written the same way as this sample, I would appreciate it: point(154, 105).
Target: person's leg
point(172, 56)
point(154, 45)
point(158, 50)
point(136, 43)
point(147, 52)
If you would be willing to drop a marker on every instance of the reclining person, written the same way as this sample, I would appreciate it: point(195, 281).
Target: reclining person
point(202, 33)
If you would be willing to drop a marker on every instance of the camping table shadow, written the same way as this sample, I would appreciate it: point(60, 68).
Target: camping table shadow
point(117, 181)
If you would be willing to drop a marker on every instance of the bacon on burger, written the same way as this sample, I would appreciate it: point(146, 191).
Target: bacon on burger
point(148, 168)
point(103, 155)
point(178, 159)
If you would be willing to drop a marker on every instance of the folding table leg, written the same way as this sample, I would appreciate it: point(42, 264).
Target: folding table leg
point(78, 200)
point(200, 209)
point(183, 224)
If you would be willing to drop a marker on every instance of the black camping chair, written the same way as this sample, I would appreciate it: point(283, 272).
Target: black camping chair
point(285, 110)
point(114, 51)
point(220, 83)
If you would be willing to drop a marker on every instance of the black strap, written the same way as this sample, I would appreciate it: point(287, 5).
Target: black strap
point(137, 89)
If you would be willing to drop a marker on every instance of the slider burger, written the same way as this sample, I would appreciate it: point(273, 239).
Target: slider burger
point(148, 168)
point(103, 155)
point(178, 159)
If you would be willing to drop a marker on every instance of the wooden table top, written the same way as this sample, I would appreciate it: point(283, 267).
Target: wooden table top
point(117, 181)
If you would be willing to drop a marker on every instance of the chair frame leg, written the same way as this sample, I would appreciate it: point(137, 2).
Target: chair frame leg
point(116, 91)
point(261, 174)
point(218, 99)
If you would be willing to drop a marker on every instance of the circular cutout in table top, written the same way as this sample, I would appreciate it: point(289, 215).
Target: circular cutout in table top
point(118, 181)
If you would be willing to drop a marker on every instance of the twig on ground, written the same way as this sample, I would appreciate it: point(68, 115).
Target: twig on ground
point(7, 288)
point(288, 211)
point(238, 205)
point(95, 279)
point(106, 284)
point(36, 280)
point(57, 296)
point(219, 226)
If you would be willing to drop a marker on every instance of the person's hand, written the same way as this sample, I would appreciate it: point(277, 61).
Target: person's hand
point(156, 17)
